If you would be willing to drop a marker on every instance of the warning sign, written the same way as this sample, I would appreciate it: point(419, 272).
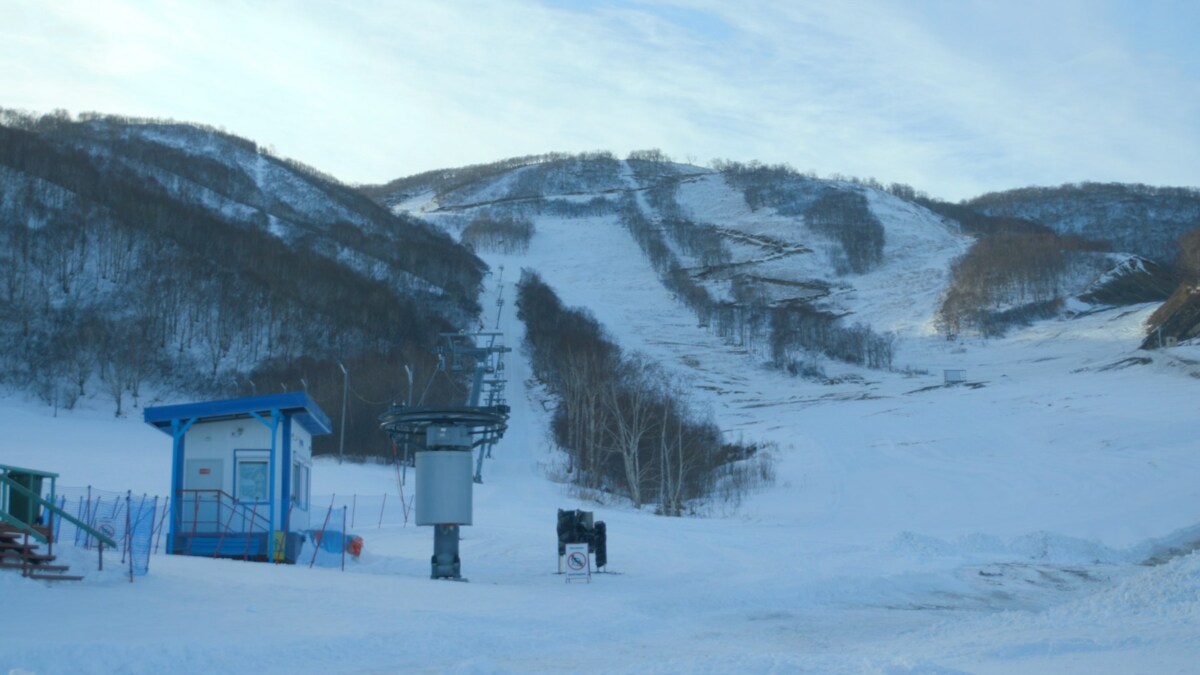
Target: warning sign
point(579, 563)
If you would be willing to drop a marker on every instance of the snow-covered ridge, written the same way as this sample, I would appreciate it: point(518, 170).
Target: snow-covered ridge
point(238, 181)
point(778, 253)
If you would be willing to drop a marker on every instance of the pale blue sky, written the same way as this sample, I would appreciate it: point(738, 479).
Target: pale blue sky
point(955, 98)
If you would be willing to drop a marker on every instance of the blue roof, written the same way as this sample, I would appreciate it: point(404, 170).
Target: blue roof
point(296, 404)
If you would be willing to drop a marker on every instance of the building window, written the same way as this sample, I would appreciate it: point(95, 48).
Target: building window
point(252, 484)
point(300, 486)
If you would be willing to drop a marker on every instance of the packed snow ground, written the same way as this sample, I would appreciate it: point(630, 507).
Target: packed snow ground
point(996, 526)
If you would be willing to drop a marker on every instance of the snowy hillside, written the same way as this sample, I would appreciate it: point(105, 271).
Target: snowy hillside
point(766, 256)
point(792, 262)
point(234, 180)
point(781, 256)
point(1037, 518)
point(142, 256)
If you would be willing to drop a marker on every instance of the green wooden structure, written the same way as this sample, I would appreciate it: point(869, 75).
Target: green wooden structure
point(22, 509)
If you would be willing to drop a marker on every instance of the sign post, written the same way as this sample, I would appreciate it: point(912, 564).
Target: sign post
point(579, 563)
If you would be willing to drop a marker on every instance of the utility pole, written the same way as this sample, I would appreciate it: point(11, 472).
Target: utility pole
point(345, 391)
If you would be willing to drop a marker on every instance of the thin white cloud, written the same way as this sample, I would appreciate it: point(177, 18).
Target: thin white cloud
point(953, 98)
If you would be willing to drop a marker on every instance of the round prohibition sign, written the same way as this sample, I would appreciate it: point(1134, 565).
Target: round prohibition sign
point(577, 561)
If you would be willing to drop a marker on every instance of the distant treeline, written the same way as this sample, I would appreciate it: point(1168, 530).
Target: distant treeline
point(1131, 218)
point(505, 234)
point(1016, 271)
point(546, 175)
point(1011, 279)
point(625, 428)
point(840, 214)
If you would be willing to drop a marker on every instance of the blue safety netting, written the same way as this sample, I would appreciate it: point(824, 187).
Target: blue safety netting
point(323, 549)
point(141, 534)
point(138, 523)
point(133, 521)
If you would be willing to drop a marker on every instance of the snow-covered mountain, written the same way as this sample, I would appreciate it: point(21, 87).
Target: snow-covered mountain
point(768, 253)
point(790, 265)
point(1038, 516)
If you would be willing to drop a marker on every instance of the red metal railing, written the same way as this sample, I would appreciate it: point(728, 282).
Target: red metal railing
point(217, 513)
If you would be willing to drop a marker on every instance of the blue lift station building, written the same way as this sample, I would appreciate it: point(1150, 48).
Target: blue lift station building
point(240, 474)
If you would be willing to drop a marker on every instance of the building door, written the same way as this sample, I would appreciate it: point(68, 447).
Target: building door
point(201, 502)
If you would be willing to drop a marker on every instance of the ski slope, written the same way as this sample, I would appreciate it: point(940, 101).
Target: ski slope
point(901, 295)
point(993, 527)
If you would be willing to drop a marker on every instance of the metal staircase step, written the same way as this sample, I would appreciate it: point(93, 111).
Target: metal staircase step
point(11, 532)
point(19, 553)
point(55, 577)
point(14, 558)
point(4, 546)
point(39, 557)
point(35, 566)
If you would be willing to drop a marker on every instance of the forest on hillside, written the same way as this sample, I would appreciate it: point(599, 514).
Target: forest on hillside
point(624, 427)
point(1020, 270)
point(1134, 218)
point(142, 265)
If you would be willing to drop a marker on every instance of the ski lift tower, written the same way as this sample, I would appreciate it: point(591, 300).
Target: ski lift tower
point(449, 434)
point(465, 353)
